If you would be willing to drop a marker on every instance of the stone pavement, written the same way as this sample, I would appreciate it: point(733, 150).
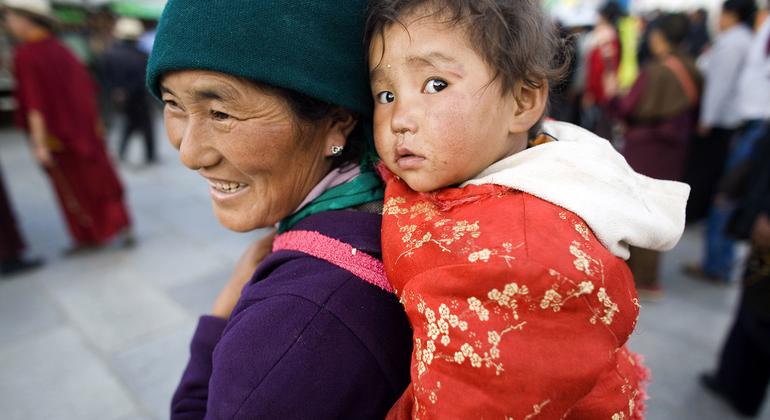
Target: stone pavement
point(104, 336)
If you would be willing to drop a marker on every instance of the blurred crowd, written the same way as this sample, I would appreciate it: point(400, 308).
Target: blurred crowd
point(75, 74)
point(685, 103)
point(680, 103)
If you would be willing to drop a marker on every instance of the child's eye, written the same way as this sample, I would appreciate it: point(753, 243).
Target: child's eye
point(385, 97)
point(434, 86)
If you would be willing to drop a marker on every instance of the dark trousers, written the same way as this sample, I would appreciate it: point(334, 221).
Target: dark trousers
point(11, 243)
point(138, 115)
point(705, 165)
point(744, 366)
point(644, 266)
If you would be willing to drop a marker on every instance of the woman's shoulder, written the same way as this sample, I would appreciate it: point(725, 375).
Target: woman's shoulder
point(294, 278)
point(296, 273)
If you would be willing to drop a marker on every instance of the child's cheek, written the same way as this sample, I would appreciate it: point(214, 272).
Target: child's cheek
point(448, 129)
point(381, 132)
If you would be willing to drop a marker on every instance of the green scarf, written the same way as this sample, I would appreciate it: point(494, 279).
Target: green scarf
point(362, 189)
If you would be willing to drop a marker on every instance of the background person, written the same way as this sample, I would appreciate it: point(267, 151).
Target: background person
point(719, 116)
point(660, 112)
point(12, 245)
point(124, 65)
point(743, 372)
point(753, 101)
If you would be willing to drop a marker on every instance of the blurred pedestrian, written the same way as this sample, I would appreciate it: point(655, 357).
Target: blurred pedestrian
point(720, 116)
point(698, 37)
point(753, 102)
point(124, 66)
point(743, 373)
point(660, 115)
point(57, 106)
point(603, 60)
point(12, 260)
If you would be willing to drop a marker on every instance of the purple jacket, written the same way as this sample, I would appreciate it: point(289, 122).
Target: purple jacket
point(306, 340)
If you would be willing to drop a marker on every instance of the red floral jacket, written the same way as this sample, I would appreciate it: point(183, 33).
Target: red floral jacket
point(517, 310)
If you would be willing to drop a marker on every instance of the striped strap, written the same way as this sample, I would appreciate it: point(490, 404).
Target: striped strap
point(336, 252)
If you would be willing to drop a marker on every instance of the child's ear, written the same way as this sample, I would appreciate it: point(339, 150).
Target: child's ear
point(530, 106)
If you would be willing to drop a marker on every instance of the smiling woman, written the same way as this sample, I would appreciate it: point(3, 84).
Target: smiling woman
point(273, 114)
point(245, 141)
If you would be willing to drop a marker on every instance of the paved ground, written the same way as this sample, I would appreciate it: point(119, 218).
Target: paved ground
point(105, 336)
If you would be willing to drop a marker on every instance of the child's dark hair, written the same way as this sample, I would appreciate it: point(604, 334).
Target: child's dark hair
point(514, 37)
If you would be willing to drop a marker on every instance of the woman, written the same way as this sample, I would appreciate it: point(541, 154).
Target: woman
point(262, 100)
point(660, 112)
point(602, 63)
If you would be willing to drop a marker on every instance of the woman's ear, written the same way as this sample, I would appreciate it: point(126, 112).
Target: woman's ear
point(530, 106)
point(341, 124)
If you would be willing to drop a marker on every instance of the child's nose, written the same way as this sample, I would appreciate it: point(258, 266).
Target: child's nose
point(404, 118)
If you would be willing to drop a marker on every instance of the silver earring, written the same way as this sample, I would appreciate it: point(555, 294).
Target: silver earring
point(337, 150)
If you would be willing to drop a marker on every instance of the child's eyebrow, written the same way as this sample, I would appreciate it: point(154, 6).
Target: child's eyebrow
point(433, 58)
point(376, 74)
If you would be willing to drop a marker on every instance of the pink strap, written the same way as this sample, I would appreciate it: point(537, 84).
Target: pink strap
point(339, 253)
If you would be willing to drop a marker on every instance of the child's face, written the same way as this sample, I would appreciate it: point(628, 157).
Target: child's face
point(439, 117)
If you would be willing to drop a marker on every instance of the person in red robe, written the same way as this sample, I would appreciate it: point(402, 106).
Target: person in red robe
point(12, 245)
point(57, 106)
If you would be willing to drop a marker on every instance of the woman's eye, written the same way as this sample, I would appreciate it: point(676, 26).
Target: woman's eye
point(435, 86)
point(170, 103)
point(385, 97)
point(219, 115)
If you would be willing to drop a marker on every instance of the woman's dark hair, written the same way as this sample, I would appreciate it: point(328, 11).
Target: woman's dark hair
point(674, 27)
point(612, 12)
point(746, 10)
point(310, 110)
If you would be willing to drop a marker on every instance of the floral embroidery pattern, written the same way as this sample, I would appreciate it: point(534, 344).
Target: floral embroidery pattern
point(477, 329)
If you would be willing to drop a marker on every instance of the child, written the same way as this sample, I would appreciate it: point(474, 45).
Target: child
point(502, 254)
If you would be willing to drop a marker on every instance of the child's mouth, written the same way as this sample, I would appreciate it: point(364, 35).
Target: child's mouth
point(409, 161)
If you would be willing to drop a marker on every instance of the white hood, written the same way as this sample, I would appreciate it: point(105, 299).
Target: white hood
point(584, 174)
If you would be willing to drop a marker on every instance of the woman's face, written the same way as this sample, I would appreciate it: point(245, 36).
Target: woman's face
point(658, 44)
point(246, 143)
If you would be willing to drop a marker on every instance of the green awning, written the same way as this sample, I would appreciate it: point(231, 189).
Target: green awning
point(138, 9)
point(70, 15)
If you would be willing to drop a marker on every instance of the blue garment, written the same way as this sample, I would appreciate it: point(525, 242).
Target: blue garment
point(720, 248)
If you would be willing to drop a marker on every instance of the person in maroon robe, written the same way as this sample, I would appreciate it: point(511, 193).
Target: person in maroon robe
point(12, 259)
point(57, 107)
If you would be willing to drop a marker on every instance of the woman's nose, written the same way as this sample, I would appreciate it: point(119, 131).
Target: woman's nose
point(405, 116)
point(197, 149)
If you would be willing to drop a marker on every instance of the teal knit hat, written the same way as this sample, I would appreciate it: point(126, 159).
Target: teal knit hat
point(314, 47)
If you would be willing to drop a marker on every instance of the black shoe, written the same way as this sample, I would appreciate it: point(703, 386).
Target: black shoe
point(19, 265)
point(711, 383)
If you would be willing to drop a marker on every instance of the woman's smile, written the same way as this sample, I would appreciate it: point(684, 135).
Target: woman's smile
point(222, 189)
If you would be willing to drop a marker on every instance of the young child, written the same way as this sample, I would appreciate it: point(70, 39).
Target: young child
point(506, 254)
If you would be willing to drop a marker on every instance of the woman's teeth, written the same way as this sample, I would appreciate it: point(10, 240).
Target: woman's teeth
point(226, 187)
